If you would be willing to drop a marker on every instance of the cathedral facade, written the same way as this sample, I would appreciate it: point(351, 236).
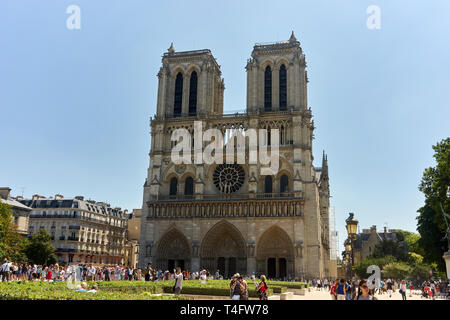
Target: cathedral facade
point(228, 216)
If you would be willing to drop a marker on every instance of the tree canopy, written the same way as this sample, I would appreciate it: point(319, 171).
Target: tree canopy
point(40, 249)
point(435, 185)
point(12, 244)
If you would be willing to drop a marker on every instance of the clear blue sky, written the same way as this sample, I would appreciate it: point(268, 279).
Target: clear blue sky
point(75, 104)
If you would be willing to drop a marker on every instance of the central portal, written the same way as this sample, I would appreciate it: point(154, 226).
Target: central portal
point(224, 248)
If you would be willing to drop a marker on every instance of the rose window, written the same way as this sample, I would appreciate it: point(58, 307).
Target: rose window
point(229, 178)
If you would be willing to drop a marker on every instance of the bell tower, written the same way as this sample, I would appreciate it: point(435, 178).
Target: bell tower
point(190, 84)
point(276, 77)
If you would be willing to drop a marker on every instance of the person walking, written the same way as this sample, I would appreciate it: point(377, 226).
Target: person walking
point(244, 289)
point(403, 289)
point(348, 291)
point(333, 290)
point(261, 288)
point(341, 290)
point(389, 287)
point(5, 270)
point(178, 281)
point(236, 287)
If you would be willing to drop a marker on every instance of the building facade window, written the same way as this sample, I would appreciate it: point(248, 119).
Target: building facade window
point(268, 184)
point(284, 183)
point(283, 87)
point(268, 89)
point(173, 186)
point(178, 99)
point(193, 94)
point(189, 186)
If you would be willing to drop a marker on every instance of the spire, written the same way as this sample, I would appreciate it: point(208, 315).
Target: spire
point(171, 50)
point(324, 165)
point(292, 38)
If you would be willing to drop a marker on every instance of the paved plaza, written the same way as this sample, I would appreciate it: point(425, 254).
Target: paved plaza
point(325, 295)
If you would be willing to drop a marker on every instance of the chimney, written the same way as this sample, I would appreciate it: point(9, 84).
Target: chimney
point(58, 196)
point(35, 197)
point(4, 193)
point(18, 198)
point(373, 228)
point(385, 229)
point(81, 198)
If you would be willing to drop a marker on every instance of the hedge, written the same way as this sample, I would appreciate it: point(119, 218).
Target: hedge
point(288, 284)
point(24, 290)
point(210, 291)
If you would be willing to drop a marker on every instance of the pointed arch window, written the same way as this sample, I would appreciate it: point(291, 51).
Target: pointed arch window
point(284, 184)
point(193, 94)
point(173, 186)
point(283, 87)
point(178, 99)
point(268, 89)
point(268, 184)
point(189, 186)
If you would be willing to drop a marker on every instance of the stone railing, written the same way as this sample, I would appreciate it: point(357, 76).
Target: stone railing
point(273, 207)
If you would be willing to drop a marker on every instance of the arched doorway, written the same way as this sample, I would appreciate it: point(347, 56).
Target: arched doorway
point(223, 248)
point(275, 254)
point(173, 251)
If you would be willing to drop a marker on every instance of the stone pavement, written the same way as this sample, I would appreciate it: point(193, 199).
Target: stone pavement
point(325, 295)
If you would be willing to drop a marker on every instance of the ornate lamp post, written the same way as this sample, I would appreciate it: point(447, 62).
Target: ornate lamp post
point(352, 225)
point(348, 249)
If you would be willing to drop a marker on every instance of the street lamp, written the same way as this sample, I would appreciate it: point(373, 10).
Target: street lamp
point(352, 225)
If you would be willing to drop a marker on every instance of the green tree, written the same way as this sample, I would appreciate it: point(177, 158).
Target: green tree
point(390, 248)
point(40, 249)
point(435, 185)
point(414, 258)
point(419, 273)
point(361, 267)
point(412, 239)
point(396, 270)
point(12, 244)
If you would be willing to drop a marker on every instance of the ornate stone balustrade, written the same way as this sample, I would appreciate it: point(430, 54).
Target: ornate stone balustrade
point(286, 207)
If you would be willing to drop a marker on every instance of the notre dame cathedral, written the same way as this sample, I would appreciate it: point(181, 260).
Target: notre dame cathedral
point(228, 216)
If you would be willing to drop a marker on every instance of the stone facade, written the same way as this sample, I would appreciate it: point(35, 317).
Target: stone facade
point(231, 217)
point(83, 231)
point(20, 212)
point(367, 240)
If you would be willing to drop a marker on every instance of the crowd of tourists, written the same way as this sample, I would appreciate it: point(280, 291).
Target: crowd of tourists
point(339, 289)
point(342, 289)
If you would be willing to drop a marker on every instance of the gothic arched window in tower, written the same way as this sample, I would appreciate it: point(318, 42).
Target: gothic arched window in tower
point(189, 186)
point(178, 95)
point(193, 94)
point(268, 89)
point(173, 187)
point(283, 88)
point(284, 184)
point(268, 184)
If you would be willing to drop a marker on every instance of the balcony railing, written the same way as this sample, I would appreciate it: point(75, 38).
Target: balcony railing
point(232, 196)
point(259, 205)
